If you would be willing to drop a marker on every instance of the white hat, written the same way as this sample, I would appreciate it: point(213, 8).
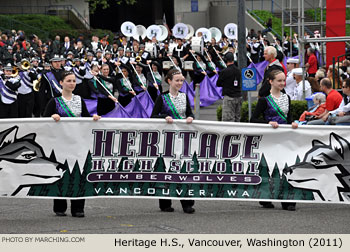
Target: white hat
point(293, 61)
point(297, 71)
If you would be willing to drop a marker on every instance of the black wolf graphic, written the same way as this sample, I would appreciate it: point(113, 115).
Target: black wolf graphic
point(325, 170)
point(23, 163)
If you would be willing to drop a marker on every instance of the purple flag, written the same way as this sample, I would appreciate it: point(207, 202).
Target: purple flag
point(207, 93)
point(118, 112)
point(91, 105)
point(136, 109)
point(146, 102)
point(260, 69)
point(189, 92)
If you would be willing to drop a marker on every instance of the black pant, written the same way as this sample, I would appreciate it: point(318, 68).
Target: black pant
point(9, 110)
point(60, 205)
point(25, 105)
point(166, 203)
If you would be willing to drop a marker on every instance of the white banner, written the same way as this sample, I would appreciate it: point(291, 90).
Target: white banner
point(77, 157)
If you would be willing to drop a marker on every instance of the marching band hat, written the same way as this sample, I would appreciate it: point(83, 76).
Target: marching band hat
point(9, 48)
point(98, 50)
point(120, 48)
point(89, 54)
point(62, 57)
point(46, 64)
point(107, 52)
point(127, 50)
point(56, 57)
point(293, 61)
point(166, 41)
point(297, 71)
point(0, 63)
point(70, 53)
point(142, 45)
point(76, 59)
point(8, 67)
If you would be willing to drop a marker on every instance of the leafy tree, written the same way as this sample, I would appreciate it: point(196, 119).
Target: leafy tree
point(105, 3)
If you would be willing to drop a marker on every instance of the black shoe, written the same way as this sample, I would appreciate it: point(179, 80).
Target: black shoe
point(189, 210)
point(78, 214)
point(167, 209)
point(289, 208)
point(61, 214)
point(268, 205)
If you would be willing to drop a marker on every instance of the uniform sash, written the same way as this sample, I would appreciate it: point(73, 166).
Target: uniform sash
point(168, 103)
point(53, 82)
point(277, 109)
point(63, 109)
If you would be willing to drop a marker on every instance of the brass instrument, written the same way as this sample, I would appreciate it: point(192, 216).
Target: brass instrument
point(15, 72)
point(37, 84)
point(25, 65)
point(138, 59)
point(73, 64)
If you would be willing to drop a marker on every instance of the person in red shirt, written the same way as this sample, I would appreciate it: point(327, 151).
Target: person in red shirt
point(334, 98)
point(311, 65)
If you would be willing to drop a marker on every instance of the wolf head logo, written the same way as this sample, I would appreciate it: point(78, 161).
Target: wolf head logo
point(325, 170)
point(23, 163)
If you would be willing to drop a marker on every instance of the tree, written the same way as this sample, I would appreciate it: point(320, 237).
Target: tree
point(105, 3)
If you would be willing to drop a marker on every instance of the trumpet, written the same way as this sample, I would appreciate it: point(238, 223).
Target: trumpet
point(138, 58)
point(37, 84)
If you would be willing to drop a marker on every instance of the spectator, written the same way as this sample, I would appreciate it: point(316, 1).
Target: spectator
point(318, 109)
point(270, 54)
point(342, 113)
point(336, 82)
point(311, 65)
point(333, 101)
point(299, 90)
point(291, 84)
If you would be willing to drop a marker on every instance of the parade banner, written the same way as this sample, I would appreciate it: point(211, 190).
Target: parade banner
point(138, 158)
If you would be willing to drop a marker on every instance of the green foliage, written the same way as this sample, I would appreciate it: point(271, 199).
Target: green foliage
point(46, 26)
point(316, 15)
point(298, 107)
point(104, 3)
point(276, 22)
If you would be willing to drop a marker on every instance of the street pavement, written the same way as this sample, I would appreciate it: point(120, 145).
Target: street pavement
point(142, 216)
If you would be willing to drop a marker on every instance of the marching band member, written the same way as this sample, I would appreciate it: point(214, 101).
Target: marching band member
point(50, 86)
point(154, 87)
point(105, 101)
point(25, 92)
point(79, 71)
point(139, 78)
point(9, 84)
point(125, 86)
point(174, 105)
point(68, 105)
point(199, 68)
